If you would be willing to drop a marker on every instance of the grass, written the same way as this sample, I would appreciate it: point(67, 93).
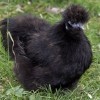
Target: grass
point(89, 85)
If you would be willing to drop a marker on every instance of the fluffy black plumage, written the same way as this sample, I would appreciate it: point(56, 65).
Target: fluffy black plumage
point(49, 55)
point(76, 14)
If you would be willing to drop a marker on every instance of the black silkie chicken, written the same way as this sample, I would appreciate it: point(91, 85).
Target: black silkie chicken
point(44, 54)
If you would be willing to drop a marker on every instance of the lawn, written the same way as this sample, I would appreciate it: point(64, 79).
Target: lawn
point(89, 85)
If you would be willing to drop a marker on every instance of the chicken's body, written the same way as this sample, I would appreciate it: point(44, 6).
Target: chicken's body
point(48, 55)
